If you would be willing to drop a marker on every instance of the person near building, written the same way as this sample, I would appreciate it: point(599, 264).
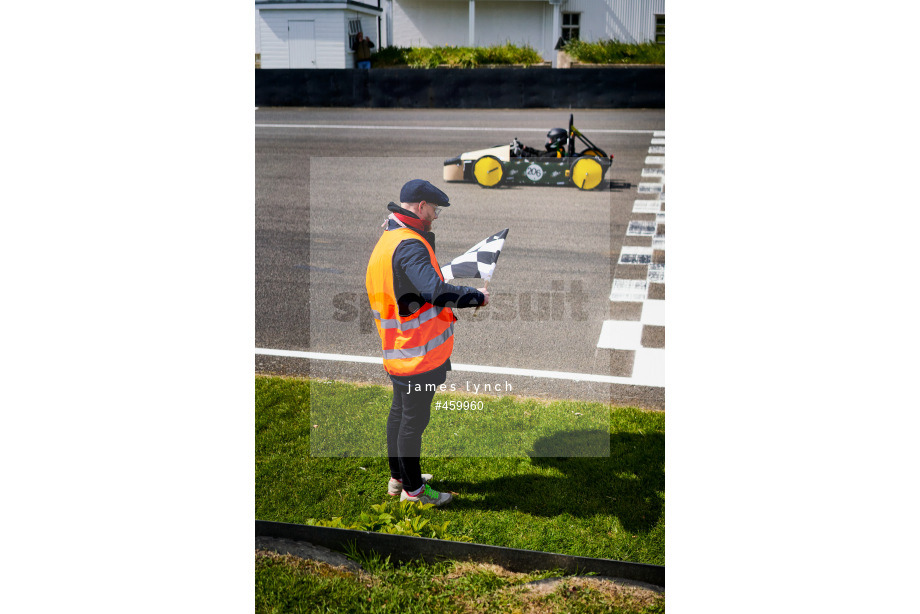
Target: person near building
point(412, 308)
point(362, 48)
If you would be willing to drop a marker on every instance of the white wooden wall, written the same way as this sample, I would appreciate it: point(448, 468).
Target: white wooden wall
point(629, 21)
point(330, 31)
point(517, 22)
point(258, 33)
point(431, 23)
point(423, 23)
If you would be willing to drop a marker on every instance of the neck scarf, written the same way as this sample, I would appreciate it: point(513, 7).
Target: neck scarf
point(406, 218)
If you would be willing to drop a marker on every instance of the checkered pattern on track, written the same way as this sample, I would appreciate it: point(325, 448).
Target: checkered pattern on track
point(648, 363)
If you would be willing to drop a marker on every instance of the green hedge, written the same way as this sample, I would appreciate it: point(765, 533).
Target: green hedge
point(598, 52)
point(462, 57)
point(615, 52)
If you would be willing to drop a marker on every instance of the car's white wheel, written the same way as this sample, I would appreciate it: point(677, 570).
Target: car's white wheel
point(488, 171)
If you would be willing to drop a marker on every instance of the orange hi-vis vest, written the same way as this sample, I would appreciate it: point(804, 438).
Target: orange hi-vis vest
point(412, 344)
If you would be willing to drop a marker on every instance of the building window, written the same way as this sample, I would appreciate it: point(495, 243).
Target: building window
point(659, 29)
point(354, 26)
point(570, 23)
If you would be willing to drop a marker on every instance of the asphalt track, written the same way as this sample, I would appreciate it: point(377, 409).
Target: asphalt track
point(323, 178)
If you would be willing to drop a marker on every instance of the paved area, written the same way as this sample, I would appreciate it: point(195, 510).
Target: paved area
point(306, 550)
point(566, 292)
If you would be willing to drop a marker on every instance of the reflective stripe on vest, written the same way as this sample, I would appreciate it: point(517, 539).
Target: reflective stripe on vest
point(408, 324)
point(421, 350)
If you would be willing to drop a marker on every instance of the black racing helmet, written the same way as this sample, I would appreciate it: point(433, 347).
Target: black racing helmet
point(556, 139)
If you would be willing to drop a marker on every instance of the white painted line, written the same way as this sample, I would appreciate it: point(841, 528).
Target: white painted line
point(634, 254)
point(659, 218)
point(629, 290)
point(317, 356)
point(654, 160)
point(647, 206)
point(641, 229)
point(658, 141)
point(447, 128)
point(576, 377)
point(620, 335)
point(653, 172)
point(648, 366)
point(656, 149)
point(658, 133)
point(650, 188)
point(653, 312)
point(658, 242)
point(655, 273)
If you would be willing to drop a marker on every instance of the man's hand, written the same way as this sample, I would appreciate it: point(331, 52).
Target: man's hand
point(486, 294)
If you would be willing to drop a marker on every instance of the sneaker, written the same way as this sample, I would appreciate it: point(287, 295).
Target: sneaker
point(395, 486)
point(429, 495)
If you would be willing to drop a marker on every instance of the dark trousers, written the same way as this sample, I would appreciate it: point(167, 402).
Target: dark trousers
point(409, 415)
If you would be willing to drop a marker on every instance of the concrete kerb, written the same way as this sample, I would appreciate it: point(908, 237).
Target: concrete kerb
point(406, 548)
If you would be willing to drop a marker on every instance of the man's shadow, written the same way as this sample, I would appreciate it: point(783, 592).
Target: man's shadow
point(629, 483)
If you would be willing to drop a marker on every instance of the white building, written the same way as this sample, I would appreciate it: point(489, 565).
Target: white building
point(538, 23)
point(436, 23)
point(314, 34)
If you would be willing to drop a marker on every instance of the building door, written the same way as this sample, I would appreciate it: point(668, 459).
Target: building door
point(301, 44)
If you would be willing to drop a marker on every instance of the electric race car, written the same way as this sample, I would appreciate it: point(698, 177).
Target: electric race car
point(557, 164)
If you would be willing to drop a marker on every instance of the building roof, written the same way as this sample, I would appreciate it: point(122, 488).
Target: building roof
point(355, 3)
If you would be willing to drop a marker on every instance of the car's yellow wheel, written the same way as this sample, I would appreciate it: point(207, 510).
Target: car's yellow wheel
point(587, 173)
point(488, 171)
point(593, 152)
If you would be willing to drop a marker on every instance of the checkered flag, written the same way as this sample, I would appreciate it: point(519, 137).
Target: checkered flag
point(479, 261)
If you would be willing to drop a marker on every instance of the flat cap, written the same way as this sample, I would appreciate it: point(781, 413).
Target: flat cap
point(417, 190)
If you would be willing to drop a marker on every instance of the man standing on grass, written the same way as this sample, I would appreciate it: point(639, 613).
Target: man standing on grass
point(411, 305)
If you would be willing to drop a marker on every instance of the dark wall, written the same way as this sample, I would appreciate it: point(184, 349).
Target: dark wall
point(483, 88)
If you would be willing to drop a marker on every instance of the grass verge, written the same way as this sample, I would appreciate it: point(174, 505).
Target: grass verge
point(607, 507)
point(462, 425)
point(288, 584)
